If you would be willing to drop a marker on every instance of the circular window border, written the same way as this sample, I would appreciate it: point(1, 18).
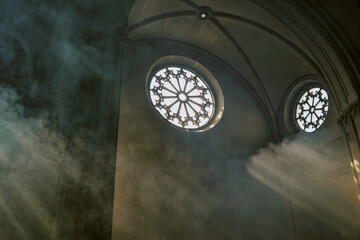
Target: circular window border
point(290, 100)
point(300, 94)
point(203, 73)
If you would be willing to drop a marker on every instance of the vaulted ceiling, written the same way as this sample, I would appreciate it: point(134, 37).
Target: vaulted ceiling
point(263, 50)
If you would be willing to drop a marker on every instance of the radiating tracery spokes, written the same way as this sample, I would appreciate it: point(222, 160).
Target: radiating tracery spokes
point(312, 109)
point(182, 98)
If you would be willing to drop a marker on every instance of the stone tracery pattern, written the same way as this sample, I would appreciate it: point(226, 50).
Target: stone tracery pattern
point(311, 110)
point(182, 97)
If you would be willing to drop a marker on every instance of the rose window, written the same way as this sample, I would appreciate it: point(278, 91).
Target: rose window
point(311, 109)
point(182, 97)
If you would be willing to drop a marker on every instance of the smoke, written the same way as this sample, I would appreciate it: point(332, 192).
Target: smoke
point(174, 185)
point(32, 158)
point(170, 185)
point(36, 163)
point(56, 60)
point(169, 193)
point(313, 176)
point(56, 52)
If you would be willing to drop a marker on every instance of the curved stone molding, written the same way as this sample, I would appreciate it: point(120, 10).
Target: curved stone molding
point(349, 113)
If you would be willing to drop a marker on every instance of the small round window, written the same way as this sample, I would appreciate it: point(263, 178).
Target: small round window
point(311, 109)
point(182, 97)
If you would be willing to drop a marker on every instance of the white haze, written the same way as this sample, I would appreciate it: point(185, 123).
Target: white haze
point(313, 176)
point(36, 161)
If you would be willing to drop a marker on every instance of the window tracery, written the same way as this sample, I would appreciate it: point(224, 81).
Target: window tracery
point(182, 97)
point(311, 109)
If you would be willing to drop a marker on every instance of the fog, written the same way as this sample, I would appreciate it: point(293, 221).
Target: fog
point(56, 69)
point(314, 176)
point(34, 158)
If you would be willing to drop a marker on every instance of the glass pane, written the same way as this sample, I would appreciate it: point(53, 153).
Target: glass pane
point(311, 110)
point(182, 97)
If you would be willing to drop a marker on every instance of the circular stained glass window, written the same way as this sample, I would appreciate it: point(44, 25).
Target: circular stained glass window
point(311, 109)
point(182, 97)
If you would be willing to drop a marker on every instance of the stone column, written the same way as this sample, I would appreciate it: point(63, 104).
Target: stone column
point(349, 120)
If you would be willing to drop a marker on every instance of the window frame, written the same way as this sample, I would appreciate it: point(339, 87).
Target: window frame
point(200, 71)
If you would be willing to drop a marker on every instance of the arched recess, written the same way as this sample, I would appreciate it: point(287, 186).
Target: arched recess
point(285, 114)
point(334, 60)
point(338, 59)
point(181, 47)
